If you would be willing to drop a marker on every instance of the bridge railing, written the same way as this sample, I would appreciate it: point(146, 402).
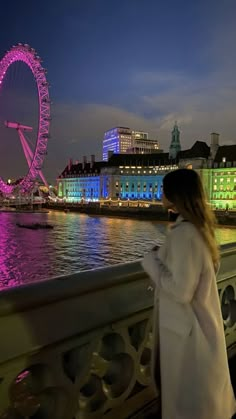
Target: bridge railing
point(79, 346)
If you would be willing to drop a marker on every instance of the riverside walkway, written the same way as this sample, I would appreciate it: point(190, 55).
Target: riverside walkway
point(79, 346)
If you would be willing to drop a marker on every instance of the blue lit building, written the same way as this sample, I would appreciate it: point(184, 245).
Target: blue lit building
point(122, 177)
point(135, 176)
point(116, 140)
point(80, 181)
point(121, 140)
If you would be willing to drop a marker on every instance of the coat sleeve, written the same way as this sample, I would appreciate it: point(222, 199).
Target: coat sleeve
point(182, 275)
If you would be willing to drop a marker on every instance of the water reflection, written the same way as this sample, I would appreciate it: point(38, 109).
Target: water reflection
point(77, 242)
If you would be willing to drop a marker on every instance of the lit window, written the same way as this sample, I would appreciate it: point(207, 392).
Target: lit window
point(215, 180)
point(223, 159)
point(221, 179)
point(228, 180)
point(221, 187)
point(215, 188)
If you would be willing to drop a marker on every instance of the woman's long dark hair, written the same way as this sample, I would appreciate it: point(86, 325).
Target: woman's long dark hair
point(183, 188)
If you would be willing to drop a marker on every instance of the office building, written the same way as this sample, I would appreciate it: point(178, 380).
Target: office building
point(122, 140)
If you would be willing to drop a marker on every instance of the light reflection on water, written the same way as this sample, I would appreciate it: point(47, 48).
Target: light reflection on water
point(77, 242)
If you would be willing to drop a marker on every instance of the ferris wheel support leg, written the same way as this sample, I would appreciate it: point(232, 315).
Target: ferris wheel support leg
point(25, 147)
point(29, 155)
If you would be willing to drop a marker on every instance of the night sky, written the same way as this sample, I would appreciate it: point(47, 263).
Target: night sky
point(137, 63)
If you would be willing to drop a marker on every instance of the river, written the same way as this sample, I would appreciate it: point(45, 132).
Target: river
point(77, 242)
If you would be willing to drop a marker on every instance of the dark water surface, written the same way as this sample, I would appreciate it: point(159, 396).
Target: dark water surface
point(77, 242)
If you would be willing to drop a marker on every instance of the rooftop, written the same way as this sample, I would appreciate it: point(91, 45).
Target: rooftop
point(226, 151)
point(199, 149)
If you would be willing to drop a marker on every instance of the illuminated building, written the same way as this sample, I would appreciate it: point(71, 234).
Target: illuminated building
point(122, 140)
point(122, 177)
point(80, 181)
point(139, 176)
point(116, 140)
point(142, 144)
point(135, 176)
point(223, 178)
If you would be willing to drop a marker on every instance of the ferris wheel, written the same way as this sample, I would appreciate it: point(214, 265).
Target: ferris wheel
point(35, 158)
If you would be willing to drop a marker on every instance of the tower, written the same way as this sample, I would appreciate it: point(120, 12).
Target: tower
point(214, 144)
point(175, 146)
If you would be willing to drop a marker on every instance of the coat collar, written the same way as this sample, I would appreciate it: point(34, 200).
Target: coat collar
point(179, 220)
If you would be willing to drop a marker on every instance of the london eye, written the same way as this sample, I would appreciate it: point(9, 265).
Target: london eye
point(34, 153)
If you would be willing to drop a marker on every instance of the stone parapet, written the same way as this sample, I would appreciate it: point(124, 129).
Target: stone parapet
point(79, 346)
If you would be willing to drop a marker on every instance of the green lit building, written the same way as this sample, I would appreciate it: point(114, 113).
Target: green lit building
point(223, 179)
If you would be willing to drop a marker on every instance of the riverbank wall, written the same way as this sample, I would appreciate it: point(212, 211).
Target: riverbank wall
point(153, 212)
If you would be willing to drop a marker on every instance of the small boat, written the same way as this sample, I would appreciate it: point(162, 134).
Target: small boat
point(35, 226)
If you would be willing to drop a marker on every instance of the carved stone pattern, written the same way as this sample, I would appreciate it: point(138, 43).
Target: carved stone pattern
point(93, 375)
point(83, 378)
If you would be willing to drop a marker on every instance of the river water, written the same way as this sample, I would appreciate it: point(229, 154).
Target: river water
point(77, 242)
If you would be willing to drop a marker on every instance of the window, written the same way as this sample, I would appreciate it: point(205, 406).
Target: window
point(228, 180)
point(221, 179)
point(215, 188)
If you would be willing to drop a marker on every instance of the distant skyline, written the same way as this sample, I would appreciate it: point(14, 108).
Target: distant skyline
point(136, 63)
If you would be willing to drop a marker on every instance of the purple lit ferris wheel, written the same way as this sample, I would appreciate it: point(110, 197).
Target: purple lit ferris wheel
point(35, 158)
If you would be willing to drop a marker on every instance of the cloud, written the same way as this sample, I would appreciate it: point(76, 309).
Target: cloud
point(78, 130)
point(157, 78)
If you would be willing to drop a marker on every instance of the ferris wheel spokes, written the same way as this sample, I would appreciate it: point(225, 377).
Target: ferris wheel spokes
point(26, 148)
point(28, 55)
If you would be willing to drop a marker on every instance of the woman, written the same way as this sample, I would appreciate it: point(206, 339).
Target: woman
point(195, 380)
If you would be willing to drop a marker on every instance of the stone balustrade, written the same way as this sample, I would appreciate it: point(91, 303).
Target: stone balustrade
point(79, 346)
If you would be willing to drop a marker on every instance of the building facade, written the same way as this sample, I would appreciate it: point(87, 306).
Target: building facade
point(122, 177)
point(140, 176)
point(116, 140)
point(122, 140)
point(223, 178)
point(80, 182)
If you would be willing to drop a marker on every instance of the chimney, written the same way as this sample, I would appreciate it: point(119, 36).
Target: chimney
point(214, 144)
point(70, 164)
point(92, 161)
point(84, 162)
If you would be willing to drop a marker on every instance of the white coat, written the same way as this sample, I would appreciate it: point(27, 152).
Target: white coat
point(188, 326)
